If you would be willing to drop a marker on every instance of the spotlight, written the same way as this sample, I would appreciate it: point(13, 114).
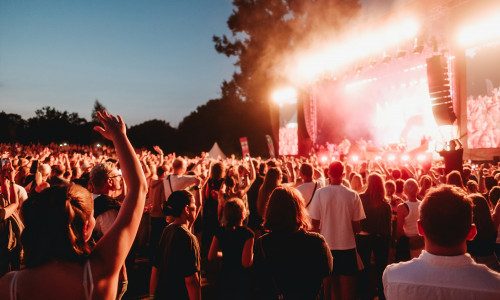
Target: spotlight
point(324, 159)
point(386, 58)
point(354, 158)
point(421, 157)
point(378, 157)
point(418, 46)
point(286, 95)
point(391, 157)
point(405, 157)
point(400, 53)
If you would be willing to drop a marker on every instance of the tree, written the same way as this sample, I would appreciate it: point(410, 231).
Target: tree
point(264, 34)
point(50, 125)
point(12, 128)
point(153, 132)
point(97, 107)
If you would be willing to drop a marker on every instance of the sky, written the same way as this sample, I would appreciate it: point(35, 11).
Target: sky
point(143, 60)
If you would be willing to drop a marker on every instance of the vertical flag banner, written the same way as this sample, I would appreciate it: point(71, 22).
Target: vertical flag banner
point(270, 145)
point(244, 147)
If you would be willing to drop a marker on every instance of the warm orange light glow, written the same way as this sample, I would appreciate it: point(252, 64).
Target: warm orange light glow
point(481, 31)
point(285, 95)
point(334, 55)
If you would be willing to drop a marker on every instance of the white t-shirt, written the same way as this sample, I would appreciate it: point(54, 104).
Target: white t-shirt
point(440, 277)
point(336, 207)
point(21, 194)
point(307, 188)
point(178, 182)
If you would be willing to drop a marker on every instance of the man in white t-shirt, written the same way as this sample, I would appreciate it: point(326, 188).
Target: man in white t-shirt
point(178, 181)
point(335, 212)
point(309, 187)
point(444, 270)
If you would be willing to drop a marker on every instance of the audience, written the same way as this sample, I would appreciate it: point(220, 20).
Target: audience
point(357, 223)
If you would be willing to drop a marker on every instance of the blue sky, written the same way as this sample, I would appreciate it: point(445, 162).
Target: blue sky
point(141, 59)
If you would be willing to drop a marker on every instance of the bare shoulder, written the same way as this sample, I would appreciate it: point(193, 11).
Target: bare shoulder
point(5, 285)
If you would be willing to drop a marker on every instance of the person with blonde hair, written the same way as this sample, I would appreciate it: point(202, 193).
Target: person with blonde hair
point(60, 264)
point(408, 214)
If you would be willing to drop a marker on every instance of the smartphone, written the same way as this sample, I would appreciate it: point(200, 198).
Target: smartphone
point(34, 167)
point(5, 161)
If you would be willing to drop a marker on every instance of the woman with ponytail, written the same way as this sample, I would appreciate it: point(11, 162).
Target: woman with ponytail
point(235, 241)
point(176, 264)
point(59, 221)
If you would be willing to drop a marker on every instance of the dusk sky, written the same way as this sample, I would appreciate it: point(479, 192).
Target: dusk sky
point(141, 59)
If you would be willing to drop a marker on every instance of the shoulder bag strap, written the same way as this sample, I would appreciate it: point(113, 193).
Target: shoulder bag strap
point(280, 294)
point(170, 184)
point(310, 200)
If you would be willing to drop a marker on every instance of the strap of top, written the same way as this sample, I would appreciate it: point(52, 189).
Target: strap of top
point(88, 281)
point(310, 200)
point(170, 184)
point(13, 287)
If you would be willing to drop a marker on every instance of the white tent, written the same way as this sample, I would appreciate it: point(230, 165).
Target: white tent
point(216, 152)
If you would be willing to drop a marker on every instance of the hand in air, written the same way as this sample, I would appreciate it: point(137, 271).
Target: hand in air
point(112, 126)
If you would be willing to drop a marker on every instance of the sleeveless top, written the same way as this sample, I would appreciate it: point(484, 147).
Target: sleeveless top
point(88, 283)
point(410, 226)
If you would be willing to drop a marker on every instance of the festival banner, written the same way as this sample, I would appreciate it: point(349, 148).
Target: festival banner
point(270, 145)
point(244, 147)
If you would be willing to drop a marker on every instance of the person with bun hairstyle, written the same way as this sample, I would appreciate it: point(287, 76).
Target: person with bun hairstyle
point(60, 264)
point(235, 241)
point(176, 265)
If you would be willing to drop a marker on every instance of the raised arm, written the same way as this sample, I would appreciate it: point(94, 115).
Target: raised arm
point(7, 182)
point(112, 249)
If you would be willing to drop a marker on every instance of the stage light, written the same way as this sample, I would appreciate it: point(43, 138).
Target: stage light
point(418, 45)
point(335, 55)
point(405, 157)
point(391, 157)
point(324, 159)
point(482, 31)
point(354, 158)
point(378, 157)
point(421, 157)
point(285, 95)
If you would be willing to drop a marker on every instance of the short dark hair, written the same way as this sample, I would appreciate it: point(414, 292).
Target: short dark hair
point(446, 215)
point(176, 203)
point(233, 212)
point(336, 169)
point(307, 170)
point(286, 211)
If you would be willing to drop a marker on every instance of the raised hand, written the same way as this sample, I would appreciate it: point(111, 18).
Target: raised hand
point(112, 126)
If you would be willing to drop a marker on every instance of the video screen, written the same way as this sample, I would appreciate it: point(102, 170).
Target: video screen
point(483, 96)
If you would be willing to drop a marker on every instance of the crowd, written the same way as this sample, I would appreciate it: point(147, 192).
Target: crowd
point(73, 218)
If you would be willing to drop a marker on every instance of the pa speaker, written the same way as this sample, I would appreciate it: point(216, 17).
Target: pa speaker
point(440, 90)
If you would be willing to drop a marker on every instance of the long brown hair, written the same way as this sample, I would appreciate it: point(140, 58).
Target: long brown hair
point(271, 181)
point(54, 225)
point(375, 189)
point(286, 211)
